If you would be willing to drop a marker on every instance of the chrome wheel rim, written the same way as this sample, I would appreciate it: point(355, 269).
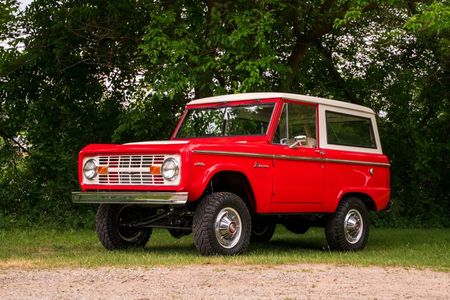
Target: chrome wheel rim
point(353, 226)
point(228, 227)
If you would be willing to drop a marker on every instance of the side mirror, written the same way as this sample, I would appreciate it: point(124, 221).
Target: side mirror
point(299, 140)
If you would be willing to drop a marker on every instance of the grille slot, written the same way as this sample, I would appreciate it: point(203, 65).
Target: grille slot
point(130, 170)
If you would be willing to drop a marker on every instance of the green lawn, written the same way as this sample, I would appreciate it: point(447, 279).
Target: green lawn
point(418, 248)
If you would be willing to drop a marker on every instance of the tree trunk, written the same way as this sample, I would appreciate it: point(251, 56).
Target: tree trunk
point(297, 56)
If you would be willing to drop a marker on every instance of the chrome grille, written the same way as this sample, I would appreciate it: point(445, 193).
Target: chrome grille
point(130, 169)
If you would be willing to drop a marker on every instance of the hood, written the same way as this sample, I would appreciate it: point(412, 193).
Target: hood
point(157, 147)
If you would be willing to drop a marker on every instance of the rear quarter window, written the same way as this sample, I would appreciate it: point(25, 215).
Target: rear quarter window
point(349, 130)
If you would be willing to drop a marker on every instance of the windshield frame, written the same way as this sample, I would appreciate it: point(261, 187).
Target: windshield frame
point(274, 101)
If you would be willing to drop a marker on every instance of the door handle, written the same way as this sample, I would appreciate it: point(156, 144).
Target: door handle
point(321, 152)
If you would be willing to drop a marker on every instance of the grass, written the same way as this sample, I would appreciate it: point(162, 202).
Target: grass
point(45, 248)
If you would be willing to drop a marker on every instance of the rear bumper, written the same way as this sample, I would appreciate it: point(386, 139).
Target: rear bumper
point(157, 198)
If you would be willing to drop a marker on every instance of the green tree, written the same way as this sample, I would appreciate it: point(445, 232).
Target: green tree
point(77, 72)
point(66, 88)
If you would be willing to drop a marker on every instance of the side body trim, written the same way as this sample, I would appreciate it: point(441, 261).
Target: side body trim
point(288, 157)
point(231, 153)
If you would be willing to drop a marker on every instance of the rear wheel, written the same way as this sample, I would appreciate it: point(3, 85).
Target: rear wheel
point(113, 226)
point(348, 228)
point(221, 225)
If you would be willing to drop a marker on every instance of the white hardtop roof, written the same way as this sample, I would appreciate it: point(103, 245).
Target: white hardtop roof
point(295, 97)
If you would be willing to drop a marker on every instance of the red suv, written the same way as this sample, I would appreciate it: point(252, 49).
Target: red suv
point(236, 166)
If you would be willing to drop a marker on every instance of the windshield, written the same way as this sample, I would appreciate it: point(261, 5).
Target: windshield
point(226, 121)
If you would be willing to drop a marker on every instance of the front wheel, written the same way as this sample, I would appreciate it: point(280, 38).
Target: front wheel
point(348, 228)
point(221, 225)
point(113, 226)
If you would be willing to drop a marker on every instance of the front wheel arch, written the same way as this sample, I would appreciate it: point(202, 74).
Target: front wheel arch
point(235, 182)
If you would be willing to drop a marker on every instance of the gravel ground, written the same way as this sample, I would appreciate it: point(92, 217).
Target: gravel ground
point(302, 281)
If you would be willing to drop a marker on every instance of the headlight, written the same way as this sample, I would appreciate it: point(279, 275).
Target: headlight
point(170, 169)
point(90, 169)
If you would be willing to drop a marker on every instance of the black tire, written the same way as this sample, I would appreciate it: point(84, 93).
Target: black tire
point(262, 231)
point(220, 209)
point(348, 228)
point(114, 236)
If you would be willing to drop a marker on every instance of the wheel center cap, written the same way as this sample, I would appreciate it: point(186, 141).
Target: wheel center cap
point(232, 228)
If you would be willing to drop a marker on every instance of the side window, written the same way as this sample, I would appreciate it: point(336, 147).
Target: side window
point(297, 120)
point(349, 130)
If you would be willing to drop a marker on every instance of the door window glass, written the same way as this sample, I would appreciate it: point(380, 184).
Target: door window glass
point(297, 121)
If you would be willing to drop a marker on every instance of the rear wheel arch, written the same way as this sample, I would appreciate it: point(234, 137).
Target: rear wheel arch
point(366, 199)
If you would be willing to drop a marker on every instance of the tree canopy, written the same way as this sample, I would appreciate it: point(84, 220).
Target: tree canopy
point(79, 72)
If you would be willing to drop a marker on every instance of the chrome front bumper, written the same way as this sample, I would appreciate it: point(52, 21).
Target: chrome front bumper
point(162, 198)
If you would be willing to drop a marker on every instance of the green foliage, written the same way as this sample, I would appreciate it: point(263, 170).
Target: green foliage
point(432, 23)
point(211, 49)
point(79, 72)
point(64, 90)
point(149, 117)
point(434, 17)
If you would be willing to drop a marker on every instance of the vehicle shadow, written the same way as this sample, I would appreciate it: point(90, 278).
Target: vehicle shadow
point(261, 248)
point(185, 249)
point(287, 245)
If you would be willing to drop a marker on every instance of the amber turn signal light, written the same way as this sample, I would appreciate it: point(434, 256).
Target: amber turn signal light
point(155, 170)
point(102, 170)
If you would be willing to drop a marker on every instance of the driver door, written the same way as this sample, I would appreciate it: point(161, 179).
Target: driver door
point(299, 165)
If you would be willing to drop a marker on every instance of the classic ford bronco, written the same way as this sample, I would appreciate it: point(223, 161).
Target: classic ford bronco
point(236, 166)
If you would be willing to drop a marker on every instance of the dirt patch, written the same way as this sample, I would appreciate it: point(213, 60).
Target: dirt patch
point(300, 281)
